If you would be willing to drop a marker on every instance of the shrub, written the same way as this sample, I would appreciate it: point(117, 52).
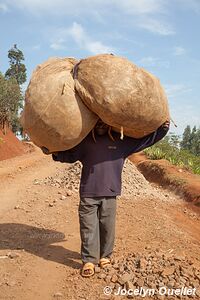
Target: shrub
point(178, 157)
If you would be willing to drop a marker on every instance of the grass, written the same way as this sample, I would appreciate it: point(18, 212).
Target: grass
point(178, 157)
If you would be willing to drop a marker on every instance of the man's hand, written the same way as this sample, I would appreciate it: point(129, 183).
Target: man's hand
point(166, 125)
point(46, 151)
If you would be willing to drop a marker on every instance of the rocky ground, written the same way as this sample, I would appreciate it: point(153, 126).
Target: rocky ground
point(157, 237)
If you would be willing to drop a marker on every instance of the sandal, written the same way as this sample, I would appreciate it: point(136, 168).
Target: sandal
point(88, 269)
point(104, 262)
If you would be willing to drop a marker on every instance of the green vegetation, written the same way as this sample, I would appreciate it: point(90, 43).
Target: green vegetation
point(11, 95)
point(191, 140)
point(184, 153)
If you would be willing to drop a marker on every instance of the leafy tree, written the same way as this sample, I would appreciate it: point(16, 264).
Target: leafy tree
point(3, 100)
point(195, 147)
point(186, 141)
point(10, 102)
point(191, 140)
point(17, 69)
point(174, 140)
point(11, 98)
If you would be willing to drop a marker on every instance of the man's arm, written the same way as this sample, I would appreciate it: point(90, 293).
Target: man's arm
point(67, 156)
point(135, 145)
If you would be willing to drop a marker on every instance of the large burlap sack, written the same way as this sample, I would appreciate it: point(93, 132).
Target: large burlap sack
point(121, 94)
point(54, 116)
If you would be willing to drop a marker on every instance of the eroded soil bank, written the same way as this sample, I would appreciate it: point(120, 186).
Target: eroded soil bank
point(174, 178)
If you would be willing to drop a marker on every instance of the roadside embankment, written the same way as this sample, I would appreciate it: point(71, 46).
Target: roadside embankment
point(162, 172)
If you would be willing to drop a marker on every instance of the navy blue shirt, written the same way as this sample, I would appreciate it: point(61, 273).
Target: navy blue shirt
point(103, 160)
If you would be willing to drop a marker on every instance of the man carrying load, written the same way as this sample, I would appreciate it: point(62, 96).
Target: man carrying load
point(102, 154)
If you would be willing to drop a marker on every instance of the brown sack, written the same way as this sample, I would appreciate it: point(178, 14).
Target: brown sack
point(54, 117)
point(121, 94)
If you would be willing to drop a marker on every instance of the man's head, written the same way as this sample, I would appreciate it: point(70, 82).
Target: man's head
point(101, 128)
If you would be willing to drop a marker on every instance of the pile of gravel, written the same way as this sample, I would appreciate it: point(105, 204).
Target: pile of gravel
point(70, 180)
point(152, 271)
point(133, 182)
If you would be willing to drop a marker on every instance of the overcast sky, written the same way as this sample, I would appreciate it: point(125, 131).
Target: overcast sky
point(161, 36)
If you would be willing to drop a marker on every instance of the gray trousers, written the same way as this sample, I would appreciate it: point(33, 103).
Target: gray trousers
point(97, 227)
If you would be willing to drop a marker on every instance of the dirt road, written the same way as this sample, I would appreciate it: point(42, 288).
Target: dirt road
point(39, 230)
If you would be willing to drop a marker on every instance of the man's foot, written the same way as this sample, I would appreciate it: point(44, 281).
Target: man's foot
point(104, 262)
point(88, 269)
